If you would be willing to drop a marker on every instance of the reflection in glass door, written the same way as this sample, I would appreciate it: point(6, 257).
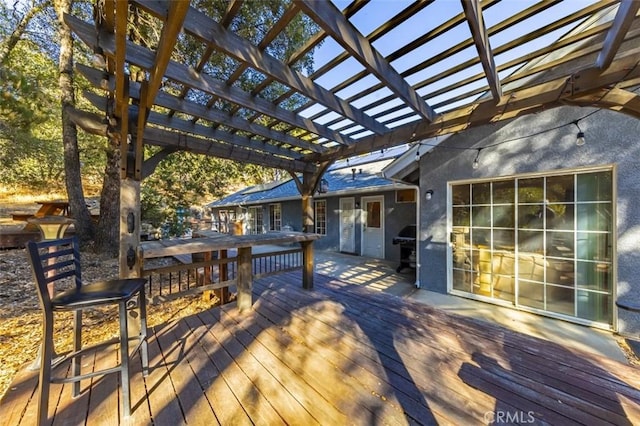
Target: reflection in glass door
point(542, 243)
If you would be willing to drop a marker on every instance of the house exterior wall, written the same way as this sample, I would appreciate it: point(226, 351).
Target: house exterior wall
point(397, 216)
point(612, 139)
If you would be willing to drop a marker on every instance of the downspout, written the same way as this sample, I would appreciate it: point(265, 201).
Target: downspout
point(417, 189)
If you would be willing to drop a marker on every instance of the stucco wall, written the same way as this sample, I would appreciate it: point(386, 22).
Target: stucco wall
point(612, 138)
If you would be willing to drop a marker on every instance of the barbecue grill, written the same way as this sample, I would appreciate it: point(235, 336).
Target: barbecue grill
point(406, 239)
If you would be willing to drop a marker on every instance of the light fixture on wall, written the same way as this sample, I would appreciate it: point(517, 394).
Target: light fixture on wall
point(580, 136)
point(428, 194)
point(323, 187)
point(476, 163)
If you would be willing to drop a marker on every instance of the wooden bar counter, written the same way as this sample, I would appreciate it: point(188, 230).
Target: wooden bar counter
point(212, 241)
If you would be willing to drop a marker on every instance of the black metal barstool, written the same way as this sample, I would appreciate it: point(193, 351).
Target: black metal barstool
point(55, 262)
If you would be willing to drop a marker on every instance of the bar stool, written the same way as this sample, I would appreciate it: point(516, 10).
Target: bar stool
point(55, 262)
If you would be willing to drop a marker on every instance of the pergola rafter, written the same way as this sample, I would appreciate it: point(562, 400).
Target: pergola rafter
point(430, 68)
point(343, 125)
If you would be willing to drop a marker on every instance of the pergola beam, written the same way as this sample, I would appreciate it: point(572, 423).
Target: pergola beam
point(549, 94)
point(473, 12)
point(177, 9)
point(177, 104)
point(180, 125)
point(625, 15)
point(334, 23)
point(144, 58)
point(214, 34)
point(165, 138)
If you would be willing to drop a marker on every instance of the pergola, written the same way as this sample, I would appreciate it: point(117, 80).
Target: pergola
point(446, 67)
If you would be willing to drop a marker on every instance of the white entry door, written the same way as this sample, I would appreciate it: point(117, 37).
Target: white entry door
point(347, 225)
point(373, 227)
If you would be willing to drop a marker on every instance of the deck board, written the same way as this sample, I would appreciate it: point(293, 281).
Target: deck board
point(342, 354)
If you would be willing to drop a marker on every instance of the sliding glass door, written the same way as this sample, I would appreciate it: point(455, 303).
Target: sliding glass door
point(541, 243)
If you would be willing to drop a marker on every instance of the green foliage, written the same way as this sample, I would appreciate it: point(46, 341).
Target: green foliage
point(185, 180)
point(31, 151)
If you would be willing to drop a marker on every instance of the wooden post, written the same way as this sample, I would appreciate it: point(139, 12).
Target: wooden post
point(223, 275)
point(129, 262)
point(307, 246)
point(244, 279)
point(307, 187)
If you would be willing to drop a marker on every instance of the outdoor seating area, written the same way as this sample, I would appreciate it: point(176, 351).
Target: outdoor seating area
point(481, 150)
point(343, 354)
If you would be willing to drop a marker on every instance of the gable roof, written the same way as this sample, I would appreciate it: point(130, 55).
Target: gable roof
point(355, 178)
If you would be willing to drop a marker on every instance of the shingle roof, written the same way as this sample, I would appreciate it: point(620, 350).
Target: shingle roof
point(341, 181)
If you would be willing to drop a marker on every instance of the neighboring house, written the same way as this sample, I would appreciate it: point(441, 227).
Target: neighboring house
point(360, 213)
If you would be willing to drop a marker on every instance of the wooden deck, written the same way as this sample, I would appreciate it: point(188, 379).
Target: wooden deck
point(342, 354)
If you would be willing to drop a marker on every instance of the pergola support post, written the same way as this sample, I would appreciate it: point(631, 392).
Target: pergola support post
point(307, 246)
point(307, 187)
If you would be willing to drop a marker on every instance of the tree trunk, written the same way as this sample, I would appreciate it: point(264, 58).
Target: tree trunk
point(77, 205)
point(108, 232)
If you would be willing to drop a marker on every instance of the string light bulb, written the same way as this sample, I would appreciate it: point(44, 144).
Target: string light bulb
point(476, 163)
point(580, 140)
point(418, 155)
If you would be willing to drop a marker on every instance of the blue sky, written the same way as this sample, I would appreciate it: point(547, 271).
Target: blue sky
point(377, 12)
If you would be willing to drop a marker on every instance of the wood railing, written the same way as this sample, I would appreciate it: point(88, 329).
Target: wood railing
point(170, 282)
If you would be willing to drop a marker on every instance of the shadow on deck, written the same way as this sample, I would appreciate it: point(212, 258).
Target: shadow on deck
point(343, 354)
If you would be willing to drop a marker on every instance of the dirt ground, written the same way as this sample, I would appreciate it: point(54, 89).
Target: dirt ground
point(20, 317)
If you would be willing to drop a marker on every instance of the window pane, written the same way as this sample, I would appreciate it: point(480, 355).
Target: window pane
point(531, 268)
point(595, 186)
point(373, 214)
point(504, 192)
point(461, 195)
point(560, 272)
point(531, 241)
point(561, 300)
point(461, 216)
point(483, 277)
point(504, 240)
point(462, 280)
point(481, 237)
point(592, 246)
point(503, 264)
point(594, 306)
point(481, 216)
point(560, 244)
point(531, 294)
point(504, 216)
point(530, 216)
point(462, 258)
point(562, 217)
point(594, 276)
point(594, 217)
point(560, 188)
point(481, 193)
point(531, 190)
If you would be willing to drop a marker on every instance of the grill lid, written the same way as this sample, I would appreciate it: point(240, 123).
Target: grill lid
point(408, 231)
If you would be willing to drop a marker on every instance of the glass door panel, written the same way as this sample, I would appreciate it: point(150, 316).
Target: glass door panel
point(542, 243)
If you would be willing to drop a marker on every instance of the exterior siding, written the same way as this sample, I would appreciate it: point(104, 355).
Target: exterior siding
point(397, 215)
point(612, 138)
